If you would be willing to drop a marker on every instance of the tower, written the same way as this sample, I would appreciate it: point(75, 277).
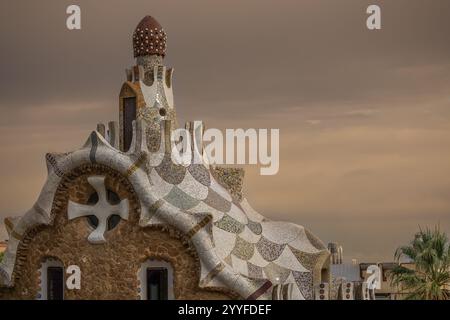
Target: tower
point(336, 252)
point(147, 93)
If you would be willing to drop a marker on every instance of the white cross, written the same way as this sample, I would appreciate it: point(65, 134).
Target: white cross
point(102, 209)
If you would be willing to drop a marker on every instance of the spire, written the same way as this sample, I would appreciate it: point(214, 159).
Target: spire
point(149, 38)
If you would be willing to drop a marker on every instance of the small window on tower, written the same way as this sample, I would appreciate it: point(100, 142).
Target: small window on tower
point(169, 78)
point(129, 115)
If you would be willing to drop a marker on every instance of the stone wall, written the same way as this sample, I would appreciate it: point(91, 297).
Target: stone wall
point(109, 270)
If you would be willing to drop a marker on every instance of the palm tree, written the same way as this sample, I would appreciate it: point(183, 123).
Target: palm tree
point(429, 279)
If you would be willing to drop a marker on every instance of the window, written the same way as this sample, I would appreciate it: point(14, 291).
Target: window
point(129, 115)
point(169, 78)
point(156, 280)
point(324, 275)
point(157, 284)
point(162, 112)
point(52, 280)
point(55, 283)
point(385, 275)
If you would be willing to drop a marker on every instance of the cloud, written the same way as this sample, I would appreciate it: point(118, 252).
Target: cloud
point(313, 121)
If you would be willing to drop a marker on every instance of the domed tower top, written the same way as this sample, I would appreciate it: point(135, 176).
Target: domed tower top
point(149, 38)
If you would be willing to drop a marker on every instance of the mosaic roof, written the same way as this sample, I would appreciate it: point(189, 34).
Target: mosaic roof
point(238, 248)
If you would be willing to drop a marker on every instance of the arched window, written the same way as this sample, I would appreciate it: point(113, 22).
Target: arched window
point(52, 280)
point(129, 115)
point(325, 275)
point(156, 280)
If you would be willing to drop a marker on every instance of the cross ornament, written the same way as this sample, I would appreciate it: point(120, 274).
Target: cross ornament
point(102, 209)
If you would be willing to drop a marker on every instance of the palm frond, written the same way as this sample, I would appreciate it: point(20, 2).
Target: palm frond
point(430, 278)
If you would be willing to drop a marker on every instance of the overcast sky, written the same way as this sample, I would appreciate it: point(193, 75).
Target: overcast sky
point(364, 116)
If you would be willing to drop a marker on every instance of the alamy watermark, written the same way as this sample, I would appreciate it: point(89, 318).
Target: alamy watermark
point(237, 146)
point(73, 21)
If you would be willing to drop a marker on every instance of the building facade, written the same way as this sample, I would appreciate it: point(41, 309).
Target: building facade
point(118, 219)
point(348, 279)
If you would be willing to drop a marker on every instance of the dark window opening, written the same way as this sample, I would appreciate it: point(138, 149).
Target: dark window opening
point(324, 275)
point(93, 199)
point(93, 221)
point(55, 283)
point(168, 78)
point(129, 115)
point(112, 197)
point(162, 112)
point(113, 221)
point(157, 284)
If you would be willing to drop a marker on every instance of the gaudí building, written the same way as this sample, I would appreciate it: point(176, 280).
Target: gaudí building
point(118, 219)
